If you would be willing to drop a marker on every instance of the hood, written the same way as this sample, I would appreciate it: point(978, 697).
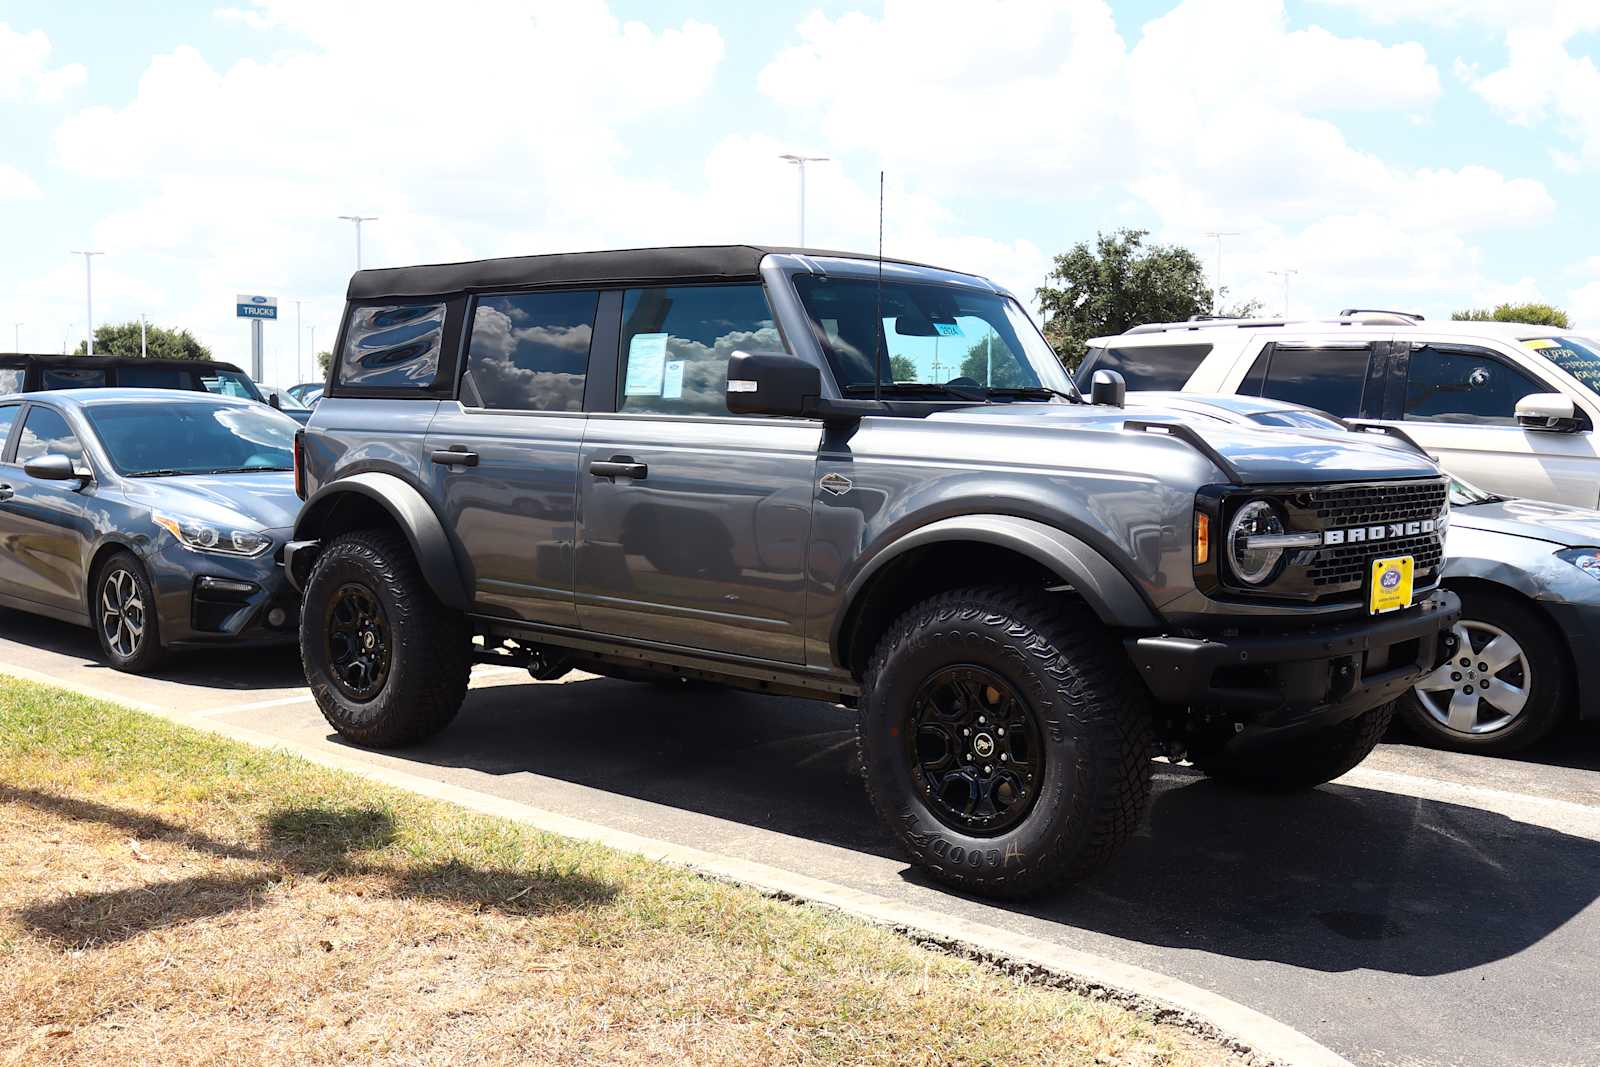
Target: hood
point(1559, 524)
point(1261, 455)
point(263, 501)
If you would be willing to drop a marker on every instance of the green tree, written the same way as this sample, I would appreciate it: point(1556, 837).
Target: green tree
point(901, 369)
point(1537, 314)
point(1002, 373)
point(1119, 283)
point(122, 339)
point(324, 361)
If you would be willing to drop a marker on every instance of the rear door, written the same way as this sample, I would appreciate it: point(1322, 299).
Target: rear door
point(505, 454)
point(694, 521)
point(44, 525)
point(1344, 377)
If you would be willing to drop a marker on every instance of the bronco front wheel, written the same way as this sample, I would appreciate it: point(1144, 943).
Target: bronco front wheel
point(1005, 741)
point(386, 661)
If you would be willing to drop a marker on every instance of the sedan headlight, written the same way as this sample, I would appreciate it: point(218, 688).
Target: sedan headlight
point(199, 537)
point(1586, 560)
point(1253, 562)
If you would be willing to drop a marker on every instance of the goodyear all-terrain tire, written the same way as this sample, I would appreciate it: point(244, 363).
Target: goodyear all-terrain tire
point(1004, 739)
point(386, 661)
point(1304, 760)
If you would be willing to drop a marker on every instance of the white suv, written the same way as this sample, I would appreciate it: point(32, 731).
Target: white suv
point(1506, 406)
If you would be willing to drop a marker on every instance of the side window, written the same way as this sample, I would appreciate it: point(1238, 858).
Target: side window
point(11, 379)
point(1329, 379)
point(392, 346)
point(676, 343)
point(72, 377)
point(8, 418)
point(131, 377)
point(227, 383)
point(45, 433)
point(1146, 366)
point(1464, 386)
point(530, 351)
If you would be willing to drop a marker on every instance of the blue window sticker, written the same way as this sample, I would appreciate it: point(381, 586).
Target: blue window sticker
point(947, 329)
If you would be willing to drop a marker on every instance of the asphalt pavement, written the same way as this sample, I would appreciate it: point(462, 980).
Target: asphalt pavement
point(1427, 909)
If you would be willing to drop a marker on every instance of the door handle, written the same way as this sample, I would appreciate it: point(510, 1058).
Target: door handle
point(453, 457)
point(6, 492)
point(619, 467)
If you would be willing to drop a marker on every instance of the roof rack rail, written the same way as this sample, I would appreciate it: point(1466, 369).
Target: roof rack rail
point(1350, 313)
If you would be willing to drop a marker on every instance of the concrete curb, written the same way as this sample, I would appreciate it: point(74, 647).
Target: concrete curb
point(1166, 999)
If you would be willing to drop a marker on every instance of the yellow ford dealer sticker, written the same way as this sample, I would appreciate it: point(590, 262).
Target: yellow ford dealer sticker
point(1391, 584)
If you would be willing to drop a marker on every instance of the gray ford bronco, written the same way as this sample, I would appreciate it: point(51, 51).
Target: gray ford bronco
point(867, 482)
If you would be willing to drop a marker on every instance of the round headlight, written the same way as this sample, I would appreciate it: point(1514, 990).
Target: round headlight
point(1253, 565)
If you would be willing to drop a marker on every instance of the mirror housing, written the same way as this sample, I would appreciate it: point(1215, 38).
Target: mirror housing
point(274, 402)
point(53, 468)
point(1108, 388)
point(1551, 412)
point(772, 383)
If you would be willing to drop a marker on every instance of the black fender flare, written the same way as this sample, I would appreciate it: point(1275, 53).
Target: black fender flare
point(430, 545)
point(1114, 599)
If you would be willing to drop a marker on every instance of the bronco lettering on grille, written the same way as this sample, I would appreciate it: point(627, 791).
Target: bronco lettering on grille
point(1359, 534)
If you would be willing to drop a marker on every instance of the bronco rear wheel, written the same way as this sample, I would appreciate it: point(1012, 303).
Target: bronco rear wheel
point(1005, 741)
point(386, 661)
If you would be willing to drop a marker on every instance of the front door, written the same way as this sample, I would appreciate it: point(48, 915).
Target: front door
point(44, 525)
point(505, 456)
point(694, 521)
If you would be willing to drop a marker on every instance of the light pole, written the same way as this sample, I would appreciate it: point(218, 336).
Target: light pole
point(358, 220)
point(1219, 235)
point(1285, 274)
point(88, 292)
point(313, 341)
point(298, 367)
point(800, 164)
point(143, 350)
point(16, 336)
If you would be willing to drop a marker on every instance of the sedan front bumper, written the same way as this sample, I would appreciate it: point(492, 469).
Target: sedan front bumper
point(1314, 676)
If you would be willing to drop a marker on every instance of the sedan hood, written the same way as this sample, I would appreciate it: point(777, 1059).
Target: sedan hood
point(1559, 524)
point(1262, 456)
point(264, 500)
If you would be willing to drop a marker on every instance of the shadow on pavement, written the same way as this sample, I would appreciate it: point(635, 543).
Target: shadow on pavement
point(1336, 879)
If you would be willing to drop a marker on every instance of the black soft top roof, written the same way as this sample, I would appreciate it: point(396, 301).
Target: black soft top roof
point(19, 359)
point(689, 263)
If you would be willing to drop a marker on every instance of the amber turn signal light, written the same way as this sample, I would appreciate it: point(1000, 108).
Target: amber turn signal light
point(1202, 538)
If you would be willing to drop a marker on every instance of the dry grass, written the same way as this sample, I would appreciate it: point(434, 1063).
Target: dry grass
point(170, 897)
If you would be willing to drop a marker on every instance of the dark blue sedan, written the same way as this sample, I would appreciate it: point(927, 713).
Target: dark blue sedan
point(155, 518)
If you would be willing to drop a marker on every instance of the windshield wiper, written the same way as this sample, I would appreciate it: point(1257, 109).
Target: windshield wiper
point(977, 396)
point(246, 470)
point(1034, 390)
point(160, 472)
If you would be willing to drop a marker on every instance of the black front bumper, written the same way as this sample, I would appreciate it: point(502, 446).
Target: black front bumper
point(1321, 674)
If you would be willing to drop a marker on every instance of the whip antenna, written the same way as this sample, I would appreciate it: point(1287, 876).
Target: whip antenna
point(877, 355)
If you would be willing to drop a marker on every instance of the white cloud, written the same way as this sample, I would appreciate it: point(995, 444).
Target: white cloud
point(15, 185)
point(25, 70)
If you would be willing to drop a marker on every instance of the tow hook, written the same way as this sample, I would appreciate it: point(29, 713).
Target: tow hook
point(1344, 677)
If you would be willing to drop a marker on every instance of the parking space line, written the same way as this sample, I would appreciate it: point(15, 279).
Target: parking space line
point(255, 705)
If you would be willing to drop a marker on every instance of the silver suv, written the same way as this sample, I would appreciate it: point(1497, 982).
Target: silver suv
point(1507, 406)
point(867, 482)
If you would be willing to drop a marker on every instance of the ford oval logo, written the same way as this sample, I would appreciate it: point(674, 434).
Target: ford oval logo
point(1390, 579)
point(258, 300)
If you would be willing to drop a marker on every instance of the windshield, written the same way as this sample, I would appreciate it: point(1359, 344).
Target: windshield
point(1300, 418)
point(926, 335)
point(192, 437)
point(1578, 356)
point(1463, 495)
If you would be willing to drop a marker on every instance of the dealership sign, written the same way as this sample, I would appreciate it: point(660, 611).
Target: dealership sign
point(250, 306)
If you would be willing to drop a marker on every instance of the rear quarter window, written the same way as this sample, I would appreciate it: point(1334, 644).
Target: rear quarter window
point(11, 379)
point(392, 346)
point(1145, 366)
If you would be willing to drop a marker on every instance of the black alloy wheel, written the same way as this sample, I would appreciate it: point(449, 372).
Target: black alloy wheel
point(359, 646)
point(976, 753)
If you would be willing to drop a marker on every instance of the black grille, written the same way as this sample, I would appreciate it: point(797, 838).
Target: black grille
point(1346, 566)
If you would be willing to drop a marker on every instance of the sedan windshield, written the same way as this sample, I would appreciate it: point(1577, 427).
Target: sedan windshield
point(929, 341)
point(193, 437)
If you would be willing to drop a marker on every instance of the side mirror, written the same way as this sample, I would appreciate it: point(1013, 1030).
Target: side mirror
point(772, 383)
point(1109, 388)
point(1547, 411)
point(274, 402)
point(52, 468)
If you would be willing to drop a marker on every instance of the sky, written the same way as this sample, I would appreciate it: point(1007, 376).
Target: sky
point(1423, 155)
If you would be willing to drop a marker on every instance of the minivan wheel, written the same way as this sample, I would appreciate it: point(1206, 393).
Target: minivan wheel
point(1502, 690)
point(1005, 740)
point(386, 661)
point(124, 616)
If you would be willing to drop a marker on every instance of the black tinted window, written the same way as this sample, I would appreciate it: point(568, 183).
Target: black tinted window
point(392, 346)
point(57, 377)
point(676, 343)
point(1329, 379)
point(1464, 387)
point(11, 379)
point(45, 433)
point(1147, 367)
point(154, 378)
point(530, 351)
